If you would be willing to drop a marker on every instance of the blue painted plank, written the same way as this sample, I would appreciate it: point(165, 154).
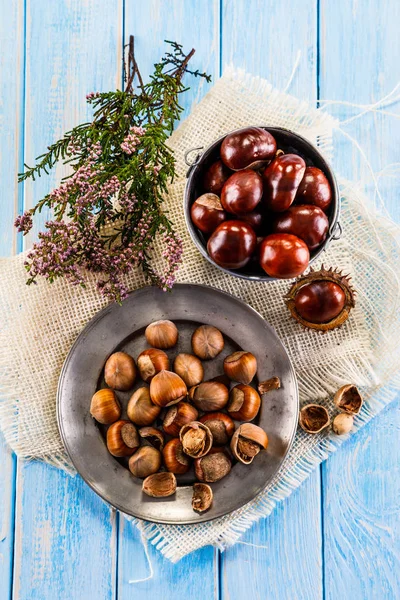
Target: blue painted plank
point(11, 123)
point(65, 537)
point(361, 483)
point(264, 38)
point(192, 24)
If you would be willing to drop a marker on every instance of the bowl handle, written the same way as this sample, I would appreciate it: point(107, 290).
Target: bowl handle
point(192, 163)
point(336, 232)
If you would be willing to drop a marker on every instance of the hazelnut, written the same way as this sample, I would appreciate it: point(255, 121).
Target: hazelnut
point(189, 368)
point(207, 342)
point(105, 407)
point(120, 371)
point(241, 366)
point(162, 334)
point(150, 362)
point(342, 423)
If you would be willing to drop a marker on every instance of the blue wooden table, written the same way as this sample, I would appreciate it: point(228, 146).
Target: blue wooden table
point(338, 535)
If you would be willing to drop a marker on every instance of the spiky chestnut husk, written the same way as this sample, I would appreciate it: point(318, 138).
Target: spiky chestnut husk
point(331, 275)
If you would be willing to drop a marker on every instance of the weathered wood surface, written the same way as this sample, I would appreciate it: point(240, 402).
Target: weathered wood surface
point(338, 535)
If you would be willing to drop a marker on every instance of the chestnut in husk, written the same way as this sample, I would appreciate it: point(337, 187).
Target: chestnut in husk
point(308, 222)
point(314, 189)
point(248, 148)
point(283, 255)
point(321, 300)
point(242, 192)
point(207, 213)
point(281, 181)
point(232, 244)
point(215, 177)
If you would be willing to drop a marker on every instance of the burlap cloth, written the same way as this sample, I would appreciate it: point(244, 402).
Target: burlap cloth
point(40, 323)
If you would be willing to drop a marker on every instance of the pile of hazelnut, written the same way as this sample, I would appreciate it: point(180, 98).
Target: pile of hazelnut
point(314, 418)
point(197, 417)
point(262, 206)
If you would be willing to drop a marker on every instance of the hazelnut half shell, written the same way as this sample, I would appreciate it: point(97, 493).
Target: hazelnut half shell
point(120, 371)
point(196, 439)
point(167, 388)
point(313, 418)
point(207, 342)
point(202, 497)
point(159, 485)
point(241, 366)
point(105, 407)
point(152, 436)
point(162, 334)
point(150, 362)
point(247, 441)
point(348, 399)
point(177, 416)
point(213, 467)
point(209, 396)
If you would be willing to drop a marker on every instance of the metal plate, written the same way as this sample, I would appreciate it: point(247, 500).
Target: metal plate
point(122, 328)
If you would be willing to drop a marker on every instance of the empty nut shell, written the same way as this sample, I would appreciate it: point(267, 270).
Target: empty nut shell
point(162, 334)
point(241, 366)
point(145, 462)
point(314, 418)
point(207, 342)
point(213, 467)
point(244, 403)
point(167, 388)
point(247, 441)
point(221, 426)
point(202, 497)
point(342, 423)
point(159, 485)
point(348, 399)
point(268, 385)
point(120, 371)
point(177, 416)
point(122, 439)
point(141, 409)
point(189, 368)
point(175, 460)
point(150, 362)
point(196, 439)
point(209, 396)
point(153, 436)
point(105, 407)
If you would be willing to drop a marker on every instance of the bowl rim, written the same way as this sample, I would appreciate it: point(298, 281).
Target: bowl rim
point(335, 229)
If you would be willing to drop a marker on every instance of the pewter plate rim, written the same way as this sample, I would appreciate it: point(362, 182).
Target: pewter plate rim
point(182, 498)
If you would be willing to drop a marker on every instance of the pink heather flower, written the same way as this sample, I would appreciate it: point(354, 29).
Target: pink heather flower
point(24, 222)
point(92, 95)
point(132, 139)
point(156, 169)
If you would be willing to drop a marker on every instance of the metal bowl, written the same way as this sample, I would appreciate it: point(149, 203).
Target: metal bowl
point(289, 142)
point(122, 328)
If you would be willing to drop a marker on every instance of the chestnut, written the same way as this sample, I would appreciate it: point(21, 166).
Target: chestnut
point(241, 366)
point(308, 222)
point(244, 403)
point(232, 244)
point(221, 426)
point(175, 460)
point(207, 342)
point(242, 192)
point(120, 371)
point(320, 301)
point(177, 416)
point(247, 148)
point(281, 181)
point(150, 362)
point(215, 177)
point(145, 462)
point(213, 467)
point(207, 213)
point(283, 255)
point(255, 219)
point(122, 439)
point(209, 396)
point(314, 189)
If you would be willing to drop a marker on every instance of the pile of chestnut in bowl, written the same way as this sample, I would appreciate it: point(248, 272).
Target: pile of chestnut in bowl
point(262, 207)
point(179, 419)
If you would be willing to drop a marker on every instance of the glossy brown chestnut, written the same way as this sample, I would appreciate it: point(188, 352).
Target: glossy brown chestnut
point(320, 301)
point(308, 222)
point(283, 255)
point(177, 416)
point(244, 403)
point(175, 460)
point(247, 148)
point(242, 192)
point(221, 426)
point(281, 181)
point(314, 189)
point(232, 244)
point(215, 177)
point(255, 219)
point(207, 213)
